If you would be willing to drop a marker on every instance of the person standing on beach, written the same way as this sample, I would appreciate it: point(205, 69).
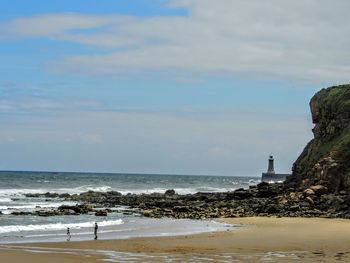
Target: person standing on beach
point(95, 230)
point(68, 234)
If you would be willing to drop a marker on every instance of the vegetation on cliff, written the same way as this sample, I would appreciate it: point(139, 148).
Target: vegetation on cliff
point(326, 158)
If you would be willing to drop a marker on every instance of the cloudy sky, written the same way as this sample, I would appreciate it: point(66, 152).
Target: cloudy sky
point(164, 86)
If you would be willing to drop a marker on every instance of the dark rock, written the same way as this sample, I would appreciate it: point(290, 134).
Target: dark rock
point(51, 195)
point(170, 192)
point(262, 185)
point(21, 213)
point(32, 195)
point(271, 209)
point(85, 208)
point(181, 209)
point(47, 213)
point(64, 195)
point(309, 200)
point(48, 195)
point(319, 189)
point(242, 194)
point(101, 213)
point(308, 192)
point(78, 209)
point(265, 192)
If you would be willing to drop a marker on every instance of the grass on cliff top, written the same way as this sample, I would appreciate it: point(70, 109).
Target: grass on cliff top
point(336, 98)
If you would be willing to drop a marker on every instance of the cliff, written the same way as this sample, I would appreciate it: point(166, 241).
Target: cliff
point(326, 158)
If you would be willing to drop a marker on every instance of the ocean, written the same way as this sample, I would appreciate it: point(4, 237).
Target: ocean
point(119, 224)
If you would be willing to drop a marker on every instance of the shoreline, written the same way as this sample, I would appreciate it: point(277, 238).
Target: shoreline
point(309, 238)
point(116, 229)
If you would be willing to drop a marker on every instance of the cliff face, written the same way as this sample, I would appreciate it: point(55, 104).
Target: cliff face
point(326, 158)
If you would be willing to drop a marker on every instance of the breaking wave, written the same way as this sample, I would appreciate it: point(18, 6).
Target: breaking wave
point(57, 226)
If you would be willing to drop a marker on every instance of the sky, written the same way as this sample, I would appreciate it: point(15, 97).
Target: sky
point(164, 86)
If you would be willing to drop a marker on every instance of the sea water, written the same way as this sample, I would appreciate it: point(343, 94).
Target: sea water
point(27, 228)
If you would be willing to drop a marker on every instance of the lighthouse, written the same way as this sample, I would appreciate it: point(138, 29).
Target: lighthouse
point(270, 169)
point(270, 175)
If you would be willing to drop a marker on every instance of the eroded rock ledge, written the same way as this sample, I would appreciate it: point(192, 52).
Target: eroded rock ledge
point(261, 200)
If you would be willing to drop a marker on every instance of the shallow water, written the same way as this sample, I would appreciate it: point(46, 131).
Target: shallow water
point(272, 256)
point(112, 227)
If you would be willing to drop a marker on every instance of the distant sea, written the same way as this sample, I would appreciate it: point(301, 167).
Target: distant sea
point(118, 224)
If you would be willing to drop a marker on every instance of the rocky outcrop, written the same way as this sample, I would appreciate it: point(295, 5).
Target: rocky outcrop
point(325, 161)
point(77, 209)
point(96, 197)
point(101, 213)
point(261, 200)
point(49, 195)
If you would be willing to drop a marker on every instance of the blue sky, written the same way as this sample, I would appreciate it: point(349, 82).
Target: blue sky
point(189, 87)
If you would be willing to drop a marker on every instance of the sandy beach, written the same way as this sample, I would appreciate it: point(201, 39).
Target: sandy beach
point(276, 239)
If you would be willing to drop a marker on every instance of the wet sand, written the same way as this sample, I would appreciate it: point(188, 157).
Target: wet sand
point(290, 240)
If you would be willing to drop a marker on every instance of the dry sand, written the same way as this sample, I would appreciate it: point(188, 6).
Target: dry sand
point(310, 239)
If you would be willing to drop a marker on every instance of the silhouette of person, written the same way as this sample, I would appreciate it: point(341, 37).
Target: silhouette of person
point(95, 230)
point(68, 234)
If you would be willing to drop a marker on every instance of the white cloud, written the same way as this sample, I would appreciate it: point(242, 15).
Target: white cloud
point(296, 39)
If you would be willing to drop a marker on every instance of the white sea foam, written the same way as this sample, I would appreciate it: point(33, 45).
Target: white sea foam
point(84, 188)
point(19, 192)
point(57, 226)
point(181, 191)
point(6, 212)
point(5, 193)
point(254, 181)
point(14, 192)
point(5, 200)
point(34, 205)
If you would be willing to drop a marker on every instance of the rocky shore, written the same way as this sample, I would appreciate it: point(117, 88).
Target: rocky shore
point(261, 200)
